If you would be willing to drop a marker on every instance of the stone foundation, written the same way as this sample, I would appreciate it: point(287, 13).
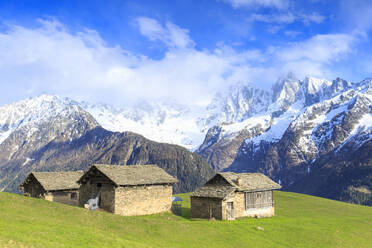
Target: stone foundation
point(260, 212)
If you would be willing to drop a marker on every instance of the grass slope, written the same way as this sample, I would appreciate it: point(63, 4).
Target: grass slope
point(301, 221)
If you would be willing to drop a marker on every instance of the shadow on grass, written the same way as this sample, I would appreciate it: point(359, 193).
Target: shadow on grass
point(185, 213)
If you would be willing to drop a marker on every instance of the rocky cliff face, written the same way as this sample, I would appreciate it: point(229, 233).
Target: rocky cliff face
point(53, 134)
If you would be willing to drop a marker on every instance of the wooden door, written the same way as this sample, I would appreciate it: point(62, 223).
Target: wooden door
point(230, 211)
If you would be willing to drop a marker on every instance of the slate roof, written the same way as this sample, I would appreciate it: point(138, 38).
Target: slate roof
point(135, 174)
point(248, 182)
point(213, 191)
point(53, 181)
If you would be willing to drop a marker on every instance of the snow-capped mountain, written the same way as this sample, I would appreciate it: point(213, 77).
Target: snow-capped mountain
point(50, 133)
point(159, 121)
point(42, 119)
point(290, 132)
point(309, 125)
point(29, 126)
point(240, 102)
point(26, 115)
point(292, 102)
point(263, 115)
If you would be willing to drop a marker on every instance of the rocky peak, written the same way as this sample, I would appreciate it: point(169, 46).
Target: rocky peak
point(43, 111)
point(286, 91)
point(340, 85)
point(366, 83)
point(313, 89)
point(240, 102)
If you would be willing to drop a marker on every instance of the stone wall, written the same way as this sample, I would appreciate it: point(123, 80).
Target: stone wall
point(70, 197)
point(239, 204)
point(142, 200)
point(260, 212)
point(206, 208)
point(229, 198)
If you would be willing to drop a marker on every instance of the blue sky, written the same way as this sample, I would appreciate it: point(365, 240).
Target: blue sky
point(122, 51)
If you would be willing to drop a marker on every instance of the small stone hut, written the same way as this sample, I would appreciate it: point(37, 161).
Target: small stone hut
point(59, 187)
point(229, 195)
point(128, 190)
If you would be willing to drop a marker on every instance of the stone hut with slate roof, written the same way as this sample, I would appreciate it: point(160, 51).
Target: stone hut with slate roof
point(232, 195)
point(59, 187)
point(128, 190)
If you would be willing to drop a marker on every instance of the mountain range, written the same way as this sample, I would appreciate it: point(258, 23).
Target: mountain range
point(310, 135)
point(49, 133)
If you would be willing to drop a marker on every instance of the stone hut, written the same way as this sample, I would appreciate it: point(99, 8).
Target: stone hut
point(59, 187)
point(128, 190)
point(232, 195)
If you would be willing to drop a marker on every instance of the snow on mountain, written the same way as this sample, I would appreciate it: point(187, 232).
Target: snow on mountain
point(29, 125)
point(278, 126)
point(316, 124)
point(361, 133)
point(315, 85)
point(285, 92)
point(168, 123)
point(27, 114)
point(161, 122)
point(269, 113)
point(4, 135)
point(316, 115)
point(240, 102)
point(184, 125)
point(290, 98)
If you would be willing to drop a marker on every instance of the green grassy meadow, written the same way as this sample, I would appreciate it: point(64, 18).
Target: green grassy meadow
point(300, 221)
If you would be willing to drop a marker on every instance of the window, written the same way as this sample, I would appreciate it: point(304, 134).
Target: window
point(260, 199)
point(73, 196)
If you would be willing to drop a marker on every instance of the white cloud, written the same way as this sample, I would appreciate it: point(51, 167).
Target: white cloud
point(292, 33)
point(320, 48)
point(170, 34)
point(288, 18)
point(280, 18)
point(314, 56)
point(279, 4)
point(313, 17)
point(50, 59)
